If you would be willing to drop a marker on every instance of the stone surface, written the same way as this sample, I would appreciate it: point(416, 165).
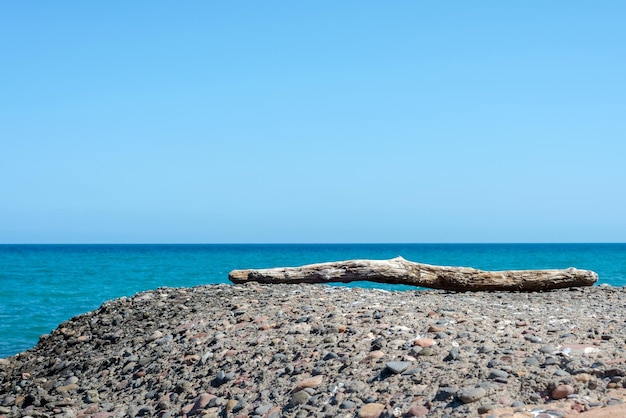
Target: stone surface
point(298, 351)
point(311, 382)
point(562, 391)
point(397, 367)
point(469, 395)
point(417, 411)
point(371, 410)
point(424, 342)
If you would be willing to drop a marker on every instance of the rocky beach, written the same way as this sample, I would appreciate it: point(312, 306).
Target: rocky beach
point(281, 350)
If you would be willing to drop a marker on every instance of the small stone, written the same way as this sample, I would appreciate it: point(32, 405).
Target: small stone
point(240, 405)
point(548, 349)
point(163, 405)
point(445, 393)
point(347, 404)
point(486, 349)
point(562, 391)
point(299, 398)
point(412, 371)
point(305, 318)
point(371, 410)
point(469, 395)
point(378, 343)
point(70, 380)
point(311, 382)
point(424, 342)
point(417, 411)
point(453, 354)
point(583, 377)
point(532, 338)
point(263, 409)
point(550, 361)
point(427, 351)
point(202, 401)
point(498, 374)
point(397, 367)
point(483, 409)
point(531, 361)
point(145, 410)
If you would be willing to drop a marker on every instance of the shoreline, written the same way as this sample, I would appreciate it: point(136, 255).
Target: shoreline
point(315, 350)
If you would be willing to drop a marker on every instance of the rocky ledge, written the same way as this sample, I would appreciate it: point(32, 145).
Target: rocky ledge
point(317, 351)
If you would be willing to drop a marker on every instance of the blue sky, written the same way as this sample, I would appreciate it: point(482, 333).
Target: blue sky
point(321, 121)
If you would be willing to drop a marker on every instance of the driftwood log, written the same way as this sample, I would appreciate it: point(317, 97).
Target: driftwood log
point(400, 271)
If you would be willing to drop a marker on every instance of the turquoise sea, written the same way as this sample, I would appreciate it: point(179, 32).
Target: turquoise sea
point(44, 285)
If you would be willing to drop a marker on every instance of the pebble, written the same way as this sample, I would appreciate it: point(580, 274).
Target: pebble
point(548, 349)
point(311, 382)
point(202, 401)
point(562, 391)
point(424, 342)
point(532, 361)
point(453, 354)
point(397, 367)
point(495, 374)
point(484, 409)
point(299, 398)
point(347, 404)
point(532, 338)
point(417, 411)
point(371, 410)
point(469, 395)
point(426, 352)
point(485, 349)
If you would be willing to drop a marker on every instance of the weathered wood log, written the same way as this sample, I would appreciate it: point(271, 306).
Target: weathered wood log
point(400, 271)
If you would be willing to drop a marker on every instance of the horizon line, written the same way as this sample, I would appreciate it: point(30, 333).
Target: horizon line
point(326, 243)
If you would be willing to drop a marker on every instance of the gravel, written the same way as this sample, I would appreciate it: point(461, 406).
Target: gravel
point(320, 351)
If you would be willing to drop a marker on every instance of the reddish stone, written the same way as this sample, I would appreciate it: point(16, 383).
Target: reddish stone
point(371, 410)
point(417, 411)
point(424, 342)
point(562, 391)
point(202, 401)
point(311, 382)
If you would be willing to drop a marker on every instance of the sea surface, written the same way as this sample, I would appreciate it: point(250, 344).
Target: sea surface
point(44, 285)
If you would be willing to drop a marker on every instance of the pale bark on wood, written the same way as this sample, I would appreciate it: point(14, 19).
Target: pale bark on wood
point(400, 271)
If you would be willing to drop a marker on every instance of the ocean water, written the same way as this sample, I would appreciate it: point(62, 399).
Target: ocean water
point(44, 285)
